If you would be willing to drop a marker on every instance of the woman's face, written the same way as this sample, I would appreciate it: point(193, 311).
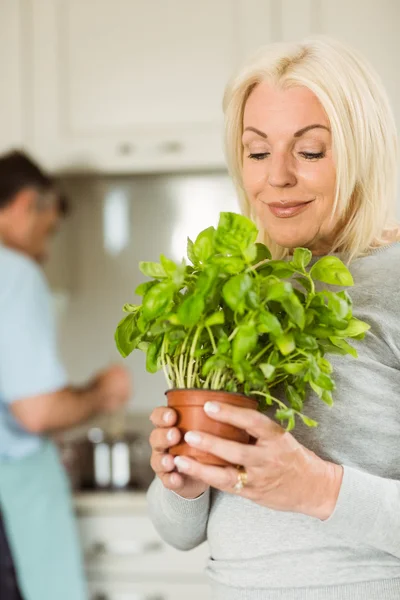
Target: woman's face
point(288, 167)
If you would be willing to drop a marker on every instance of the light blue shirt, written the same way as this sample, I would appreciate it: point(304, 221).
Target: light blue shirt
point(29, 363)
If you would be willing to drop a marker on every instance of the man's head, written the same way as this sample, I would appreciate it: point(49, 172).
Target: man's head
point(30, 206)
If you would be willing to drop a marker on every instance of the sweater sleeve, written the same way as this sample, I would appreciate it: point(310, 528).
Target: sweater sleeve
point(367, 511)
point(180, 522)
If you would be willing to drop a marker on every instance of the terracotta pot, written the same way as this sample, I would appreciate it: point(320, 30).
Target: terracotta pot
point(189, 404)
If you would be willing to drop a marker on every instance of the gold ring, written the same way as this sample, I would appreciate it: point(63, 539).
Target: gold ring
point(241, 479)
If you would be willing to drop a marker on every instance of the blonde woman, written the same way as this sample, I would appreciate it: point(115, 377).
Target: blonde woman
point(311, 145)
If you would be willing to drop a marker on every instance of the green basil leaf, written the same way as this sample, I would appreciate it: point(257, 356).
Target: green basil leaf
point(338, 305)
point(325, 382)
point(307, 342)
point(327, 397)
point(304, 282)
point(244, 342)
point(143, 288)
point(307, 421)
point(355, 328)
point(235, 291)
point(301, 258)
point(294, 367)
point(168, 265)
point(153, 355)
point(157, 300)
point(229, 264)
point(267, 370)
point(190, 252)
point(294, 309)
point(207, 279)
point(203, 247)
point(152, 269)
point(279, 291)
point(262, 253)
point(286, 343)
point(217, 318)
point(330, 269)
point(340, 343)
point(125, 335)
point(296, 401)
point(191, 310)
point(325, 365)
point(250, 254)
point(235, 233)
point(268, 323)
point(131, 308)
point(318, 390)
point(286, 415)
point(176, 335)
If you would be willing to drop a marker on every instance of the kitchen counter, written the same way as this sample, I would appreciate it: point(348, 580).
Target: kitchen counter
point(109, 502)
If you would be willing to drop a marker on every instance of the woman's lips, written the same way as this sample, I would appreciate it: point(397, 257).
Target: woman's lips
point(289, 209)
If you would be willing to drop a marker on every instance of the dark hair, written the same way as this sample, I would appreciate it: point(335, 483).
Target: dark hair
point(17, 172)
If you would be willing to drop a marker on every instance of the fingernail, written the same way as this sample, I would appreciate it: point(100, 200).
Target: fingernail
point(165, 461)
point(167, 417)
point(170, 435)
point(212, 407)
point(181, 463)
point(192, 438)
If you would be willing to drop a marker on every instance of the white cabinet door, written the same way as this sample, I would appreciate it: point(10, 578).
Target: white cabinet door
point(370, 26)
point(149, 591)
point(118, 545)
point(13, 75)
point(129, 85)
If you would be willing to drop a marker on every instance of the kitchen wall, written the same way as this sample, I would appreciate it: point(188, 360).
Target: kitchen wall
point(116, 222)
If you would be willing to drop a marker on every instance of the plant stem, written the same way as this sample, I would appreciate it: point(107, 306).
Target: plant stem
point(259, 355)
point(210, 333)
point(191, 355)
point(164, 365)
point(207, 381)
point(182, 365)
point(234, 332)
point(276, 400)
point(216, 379)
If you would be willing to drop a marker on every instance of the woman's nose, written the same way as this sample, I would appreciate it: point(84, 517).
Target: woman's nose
point(280, 172)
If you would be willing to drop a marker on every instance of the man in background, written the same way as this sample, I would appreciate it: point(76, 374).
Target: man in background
point(39, 552)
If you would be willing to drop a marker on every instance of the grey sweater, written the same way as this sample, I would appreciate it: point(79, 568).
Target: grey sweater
point(257, 553)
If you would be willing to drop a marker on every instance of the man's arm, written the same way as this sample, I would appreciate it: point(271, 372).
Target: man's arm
point(33, 382)
point(68, 407)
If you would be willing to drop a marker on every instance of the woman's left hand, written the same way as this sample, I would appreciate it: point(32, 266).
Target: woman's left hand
point(281, 473)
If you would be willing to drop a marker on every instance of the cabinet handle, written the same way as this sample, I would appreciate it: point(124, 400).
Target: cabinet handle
point(125, 149)
point(123, 548)
point(172, 147)
point(102, 596)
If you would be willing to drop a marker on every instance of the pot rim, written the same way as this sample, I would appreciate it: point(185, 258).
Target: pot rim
point(194, 389)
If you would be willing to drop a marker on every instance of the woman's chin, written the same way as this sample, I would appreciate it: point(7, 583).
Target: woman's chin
point(290, 239)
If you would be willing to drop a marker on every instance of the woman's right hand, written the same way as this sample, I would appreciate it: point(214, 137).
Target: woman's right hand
point(162, 438)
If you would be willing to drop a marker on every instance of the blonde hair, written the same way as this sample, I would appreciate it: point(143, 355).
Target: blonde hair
point(363, 133)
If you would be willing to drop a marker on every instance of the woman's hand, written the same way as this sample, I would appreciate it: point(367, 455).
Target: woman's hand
point(162, 438)
point(281, 473)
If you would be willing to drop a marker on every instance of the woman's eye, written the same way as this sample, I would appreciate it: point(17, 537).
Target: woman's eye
point(312, 155)
point(258, 155)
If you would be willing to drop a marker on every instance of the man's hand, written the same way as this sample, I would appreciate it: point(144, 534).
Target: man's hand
point(115, 388)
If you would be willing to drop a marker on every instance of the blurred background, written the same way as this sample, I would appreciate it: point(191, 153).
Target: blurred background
point(121, 101)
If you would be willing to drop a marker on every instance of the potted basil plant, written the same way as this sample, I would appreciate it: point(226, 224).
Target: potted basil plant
point(234, 324)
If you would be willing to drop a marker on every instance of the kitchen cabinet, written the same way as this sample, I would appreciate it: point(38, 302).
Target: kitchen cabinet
point(154, 591)
point(133, 86)
point(126, 559)
point(136, 86)
point(13, 75)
